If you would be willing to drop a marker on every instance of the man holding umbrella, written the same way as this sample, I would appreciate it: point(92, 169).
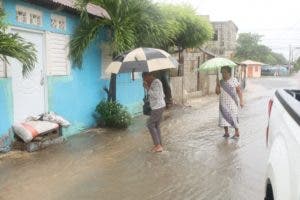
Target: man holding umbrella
point(147, 60)
point(157, 103)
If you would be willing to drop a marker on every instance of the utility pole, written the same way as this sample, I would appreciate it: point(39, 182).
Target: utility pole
point(290, 57)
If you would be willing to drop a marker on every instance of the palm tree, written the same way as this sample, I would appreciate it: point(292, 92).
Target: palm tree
point(133, 23)
point(14, 46)
point(193, 30)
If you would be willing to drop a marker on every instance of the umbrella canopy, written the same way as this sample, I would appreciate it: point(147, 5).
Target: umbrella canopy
point(142, 60)
point(216, 63)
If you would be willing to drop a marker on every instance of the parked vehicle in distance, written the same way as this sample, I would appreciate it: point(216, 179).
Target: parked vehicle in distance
point(283, 141)
point(268, 70)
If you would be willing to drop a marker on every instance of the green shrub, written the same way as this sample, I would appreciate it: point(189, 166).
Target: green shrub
point(113, 114)
point(296, 68)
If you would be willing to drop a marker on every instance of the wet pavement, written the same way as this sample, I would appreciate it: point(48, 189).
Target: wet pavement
point(198, 163)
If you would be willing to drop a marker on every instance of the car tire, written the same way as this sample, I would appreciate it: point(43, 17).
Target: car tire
point(269, 193)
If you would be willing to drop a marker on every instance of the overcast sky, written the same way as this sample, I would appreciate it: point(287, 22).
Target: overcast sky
point(277, 20)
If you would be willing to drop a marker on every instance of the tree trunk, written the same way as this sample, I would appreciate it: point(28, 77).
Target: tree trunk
point(163, 76)
point(179, 66)
point(180, 61)
point(198, 75)
point(112, 95)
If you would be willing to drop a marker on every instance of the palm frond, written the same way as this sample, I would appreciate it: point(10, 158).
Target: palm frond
point(13, 45)
point(81, 6)
point(85, 33)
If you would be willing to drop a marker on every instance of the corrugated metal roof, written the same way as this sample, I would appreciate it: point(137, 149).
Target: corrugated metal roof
point(91, 8)
point(251, 62)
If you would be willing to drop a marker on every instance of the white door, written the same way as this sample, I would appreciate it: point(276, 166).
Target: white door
point(28, 92)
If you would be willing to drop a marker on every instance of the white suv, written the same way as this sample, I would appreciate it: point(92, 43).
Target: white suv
point(283, 140)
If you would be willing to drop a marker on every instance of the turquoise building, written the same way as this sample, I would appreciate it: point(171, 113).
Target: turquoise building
point(55, 84)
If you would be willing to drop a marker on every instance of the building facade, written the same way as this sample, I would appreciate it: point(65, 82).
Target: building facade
point(56, 84)
point(192, 82)
point(224, 41)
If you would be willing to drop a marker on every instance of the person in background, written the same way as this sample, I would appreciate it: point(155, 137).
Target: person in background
point(157, 103)
point(230, 98)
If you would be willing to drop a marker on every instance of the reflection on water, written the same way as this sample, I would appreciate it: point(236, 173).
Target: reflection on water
point(198, 163)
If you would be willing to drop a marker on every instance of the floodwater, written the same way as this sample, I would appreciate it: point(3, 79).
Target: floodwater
point(198, 163)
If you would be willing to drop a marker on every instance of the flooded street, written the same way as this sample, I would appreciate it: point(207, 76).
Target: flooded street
point(198, 163)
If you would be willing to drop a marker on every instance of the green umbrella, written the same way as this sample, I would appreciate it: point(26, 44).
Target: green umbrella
point(216, 63)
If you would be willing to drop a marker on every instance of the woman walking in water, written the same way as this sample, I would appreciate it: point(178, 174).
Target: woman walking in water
point(230, 98)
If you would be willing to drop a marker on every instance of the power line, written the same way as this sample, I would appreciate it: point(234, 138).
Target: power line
point(294, 27)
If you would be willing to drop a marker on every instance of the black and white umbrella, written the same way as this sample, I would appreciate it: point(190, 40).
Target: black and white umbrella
point(142, 60)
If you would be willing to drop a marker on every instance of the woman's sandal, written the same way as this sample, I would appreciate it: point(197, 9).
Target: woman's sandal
point(159, 150)
point(156, 149)
point(226, 135)
point(235, 137)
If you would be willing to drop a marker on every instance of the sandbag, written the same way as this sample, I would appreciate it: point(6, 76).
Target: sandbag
point(52, 117)
point(30, 129)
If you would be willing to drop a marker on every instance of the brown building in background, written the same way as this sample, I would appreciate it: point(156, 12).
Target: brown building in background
point(253, 68)
point(224, 41)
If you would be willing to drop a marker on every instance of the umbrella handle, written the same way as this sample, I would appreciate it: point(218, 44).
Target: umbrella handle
point(218, 80)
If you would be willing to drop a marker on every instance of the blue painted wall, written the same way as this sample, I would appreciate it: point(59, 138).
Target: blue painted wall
point(74, 97)
point(130, 92)
point(10, 10)
point(6, 115)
